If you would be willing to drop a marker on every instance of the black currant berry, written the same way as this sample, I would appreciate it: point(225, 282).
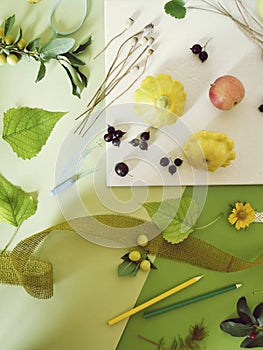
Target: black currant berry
point(178, 161)
point(121, 169)
point(260, 108)
point(203, 55)
point(111, 130)
point(164, 161)
point(135, 142)
point(118, 133)
point(116, 142)
point(172, 169)
point(108, 137)
point(143, 145)
point(196, 49)
point(145, 136)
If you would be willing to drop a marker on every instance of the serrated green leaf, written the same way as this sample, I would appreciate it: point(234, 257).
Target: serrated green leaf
point(9, 22)
point(128, 268)
point(83, 47)
point(33, 44)
point(27, 129)
point(174, 217)
point(15, 204)
point(56, 47)
point(175, 8)
point(236, 328)
point(41, 72)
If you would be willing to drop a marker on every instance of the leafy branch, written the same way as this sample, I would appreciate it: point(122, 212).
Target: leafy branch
point(247, 324)
point(246, 21)
point(196, 334)
point(59, 49)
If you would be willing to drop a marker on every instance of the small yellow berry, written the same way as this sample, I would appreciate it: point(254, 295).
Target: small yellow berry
point(12, 59)
point(145, 265)
point(9, 39)
point(33, 1)
point(134, 255)
point(21, 44)
point(2, 59)
point(142, 240)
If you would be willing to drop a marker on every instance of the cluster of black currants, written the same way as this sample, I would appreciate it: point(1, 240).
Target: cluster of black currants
point(141, 141)
point(114, 136)
point(197, 49)
point(165, 161)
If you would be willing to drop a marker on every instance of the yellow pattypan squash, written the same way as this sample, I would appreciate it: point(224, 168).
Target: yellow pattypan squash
point(165, 95)
point(209, 150)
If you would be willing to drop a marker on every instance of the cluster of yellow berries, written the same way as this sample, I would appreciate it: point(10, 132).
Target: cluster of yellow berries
point(136, 256)
point(11, 58)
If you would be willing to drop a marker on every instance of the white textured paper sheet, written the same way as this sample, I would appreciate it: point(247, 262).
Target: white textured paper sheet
point(230, 52)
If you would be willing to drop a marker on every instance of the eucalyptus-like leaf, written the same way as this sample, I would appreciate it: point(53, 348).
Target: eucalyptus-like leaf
point(41, 72)
point(76, 82)
point(244, 312)
point(33, 44)
point(75, 61)
point(27, 129)
point(16, 205)
point(82, 77)
point(175, 8)
point(8, 25)
point(236, 328)
point(256, 342)
point(128, 268)
point(174, 217)
point(56, 47)
point(18, 36)
point(82, 47)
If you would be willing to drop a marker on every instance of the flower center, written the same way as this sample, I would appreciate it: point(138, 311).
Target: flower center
point(241, 215)
point(163, 102)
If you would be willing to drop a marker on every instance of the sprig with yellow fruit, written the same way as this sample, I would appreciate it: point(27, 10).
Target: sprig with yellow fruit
point(62, 50)
point(136, 259)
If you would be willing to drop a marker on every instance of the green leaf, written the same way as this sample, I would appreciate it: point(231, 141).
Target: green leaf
point(253, 343)
point(128, 268)
point(83, 47)
point(9, 24)
point(258, 313)
point(75, 61)
point(27, 129)
point(175, 8)
point(244, 312)
point(18, 36)
point(32, 45)
point(76, 81)
point(15, 204)
point(41, 72)
point(56, 47)
point(236, 328)
point(174, 217)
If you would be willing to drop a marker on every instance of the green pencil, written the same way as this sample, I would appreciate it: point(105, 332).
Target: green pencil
point(192, 300)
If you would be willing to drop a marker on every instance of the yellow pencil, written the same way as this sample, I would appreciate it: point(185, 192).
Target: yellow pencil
point(154, 300)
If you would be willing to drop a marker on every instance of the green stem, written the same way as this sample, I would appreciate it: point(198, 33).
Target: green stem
point(160, 344)
point(210, 223)
point(10, 241)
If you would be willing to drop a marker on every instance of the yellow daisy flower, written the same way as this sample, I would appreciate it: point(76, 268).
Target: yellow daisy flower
point(166, 98)
point(242, 215)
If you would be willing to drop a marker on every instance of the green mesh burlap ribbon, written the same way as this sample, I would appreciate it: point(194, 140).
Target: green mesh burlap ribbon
point(22, 267)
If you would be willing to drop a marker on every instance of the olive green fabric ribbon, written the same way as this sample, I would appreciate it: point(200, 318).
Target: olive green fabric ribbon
point(22, 267)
